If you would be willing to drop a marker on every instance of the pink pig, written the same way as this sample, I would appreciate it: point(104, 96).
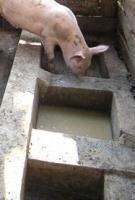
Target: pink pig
point(56, 25)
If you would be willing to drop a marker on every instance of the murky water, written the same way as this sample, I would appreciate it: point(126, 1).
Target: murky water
point(74, 121)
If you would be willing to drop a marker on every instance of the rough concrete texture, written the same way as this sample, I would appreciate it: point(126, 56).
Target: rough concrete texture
point(15, 120)
point(66, 149)
point(28, 85)
point(119, 186)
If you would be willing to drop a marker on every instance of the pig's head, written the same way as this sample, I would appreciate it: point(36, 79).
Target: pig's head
point(81, 60)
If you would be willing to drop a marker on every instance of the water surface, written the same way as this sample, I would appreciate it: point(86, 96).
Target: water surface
point(74, 121)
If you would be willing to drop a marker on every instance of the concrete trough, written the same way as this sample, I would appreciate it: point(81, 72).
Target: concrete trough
point(41, 163)
point(76, 112)
point(49, 149)
point(28, 88)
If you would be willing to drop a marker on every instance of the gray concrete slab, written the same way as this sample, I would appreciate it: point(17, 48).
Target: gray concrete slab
point(62, 148)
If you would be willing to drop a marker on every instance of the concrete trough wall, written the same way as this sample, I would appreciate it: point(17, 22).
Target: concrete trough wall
point(64, 182)
point(126, 32)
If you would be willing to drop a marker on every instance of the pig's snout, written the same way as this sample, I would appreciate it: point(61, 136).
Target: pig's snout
point(83, 70)
point(80, 70)
point(79, 63)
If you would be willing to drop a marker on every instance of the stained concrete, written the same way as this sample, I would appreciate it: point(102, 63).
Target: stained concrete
point(27, 88)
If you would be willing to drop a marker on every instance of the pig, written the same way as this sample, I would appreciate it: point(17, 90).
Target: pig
point(56, 25)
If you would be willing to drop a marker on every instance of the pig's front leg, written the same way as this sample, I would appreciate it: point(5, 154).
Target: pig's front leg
point(49, 46)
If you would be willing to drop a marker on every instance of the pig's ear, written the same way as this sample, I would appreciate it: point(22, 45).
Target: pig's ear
point(98, 49)
point(78, 56)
